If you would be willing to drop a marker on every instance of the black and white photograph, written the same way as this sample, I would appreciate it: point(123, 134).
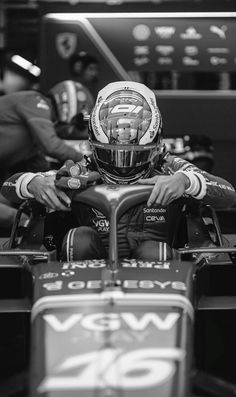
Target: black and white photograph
point(117, 198)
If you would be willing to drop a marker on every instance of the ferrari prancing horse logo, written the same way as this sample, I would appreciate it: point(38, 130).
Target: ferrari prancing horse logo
point(66, 44)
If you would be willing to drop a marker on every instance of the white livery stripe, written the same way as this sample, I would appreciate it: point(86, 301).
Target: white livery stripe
point(160, 250)
point(69, 245)
point(165, 252)
point(104, 298)
point(72, 100)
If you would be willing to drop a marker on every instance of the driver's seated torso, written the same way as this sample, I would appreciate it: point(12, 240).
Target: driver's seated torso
point(138, 224)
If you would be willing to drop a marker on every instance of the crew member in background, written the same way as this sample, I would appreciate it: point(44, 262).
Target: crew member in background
point(125, 133)
point(28, 130)
point(19, 74)
point(84, 68)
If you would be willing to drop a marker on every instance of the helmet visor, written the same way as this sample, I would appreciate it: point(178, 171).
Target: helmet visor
point(123, 156)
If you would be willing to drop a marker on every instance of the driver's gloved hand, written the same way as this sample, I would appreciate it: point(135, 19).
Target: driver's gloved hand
point(75, 176)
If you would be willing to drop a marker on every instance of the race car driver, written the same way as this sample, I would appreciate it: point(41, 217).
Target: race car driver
point(125, 133)
point(85, 69)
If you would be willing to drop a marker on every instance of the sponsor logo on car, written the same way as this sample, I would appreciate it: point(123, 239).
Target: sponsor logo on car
point(128, 284)
point(102, 322)
point(139, 369)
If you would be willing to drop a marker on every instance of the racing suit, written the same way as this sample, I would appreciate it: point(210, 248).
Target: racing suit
point(27, 133)
point(141, 227)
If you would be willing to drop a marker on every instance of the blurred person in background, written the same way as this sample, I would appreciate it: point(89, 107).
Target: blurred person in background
point(84, 68)
point(19, 74)
point(72, 103)
point(29, 122)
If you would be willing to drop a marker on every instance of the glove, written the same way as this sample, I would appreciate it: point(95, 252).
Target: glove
point(75, 176)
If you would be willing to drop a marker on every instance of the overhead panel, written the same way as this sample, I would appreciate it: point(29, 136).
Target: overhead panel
point(127, 44)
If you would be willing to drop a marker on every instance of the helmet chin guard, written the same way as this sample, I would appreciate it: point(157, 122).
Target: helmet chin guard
point(125, 132)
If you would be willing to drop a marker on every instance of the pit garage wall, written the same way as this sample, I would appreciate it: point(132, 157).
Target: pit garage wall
point(184, 112)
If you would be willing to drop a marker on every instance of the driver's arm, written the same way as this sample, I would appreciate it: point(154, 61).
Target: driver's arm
point(180, 178)
point(40, 186)
point(53, 188)
point(208, 188)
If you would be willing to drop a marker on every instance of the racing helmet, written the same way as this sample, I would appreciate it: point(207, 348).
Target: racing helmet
point(125, 132)
point(69, 99)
